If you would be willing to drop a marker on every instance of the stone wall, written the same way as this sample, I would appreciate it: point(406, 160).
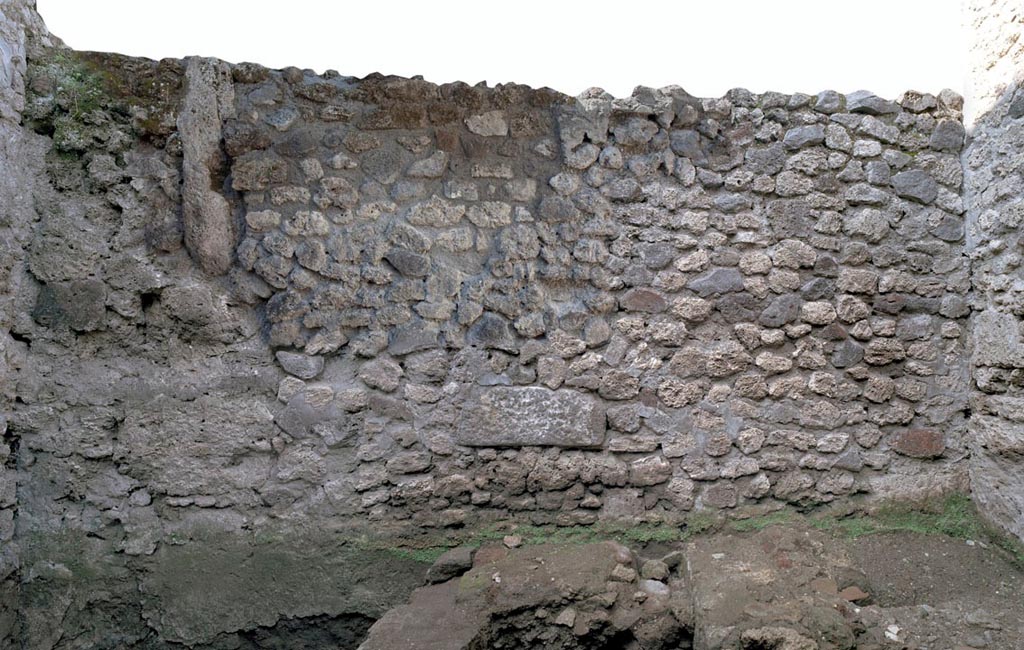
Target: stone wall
point(486, 302)
point(994, 190)
point(714, 301)
point(21, 32)
point(253, 317)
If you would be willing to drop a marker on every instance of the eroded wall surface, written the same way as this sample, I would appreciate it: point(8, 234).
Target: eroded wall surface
point(257, 316)
point(994, 190)
point(21, 32)
point(709, 301)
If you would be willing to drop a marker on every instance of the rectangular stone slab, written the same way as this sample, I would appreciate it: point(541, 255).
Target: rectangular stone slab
point(529, 416)
point(997, 340)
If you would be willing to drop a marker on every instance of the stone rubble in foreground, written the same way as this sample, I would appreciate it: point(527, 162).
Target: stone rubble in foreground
point(785, 587)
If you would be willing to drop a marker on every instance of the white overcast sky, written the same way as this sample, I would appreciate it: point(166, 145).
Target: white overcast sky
point(705, 46)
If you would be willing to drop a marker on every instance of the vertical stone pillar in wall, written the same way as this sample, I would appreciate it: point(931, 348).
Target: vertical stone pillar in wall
point(209, 224)
point(21, 32)
point(994, 196)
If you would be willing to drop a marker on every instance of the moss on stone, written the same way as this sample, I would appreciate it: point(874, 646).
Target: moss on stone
point(82, 99)
point(953, 516)
point(62, 99)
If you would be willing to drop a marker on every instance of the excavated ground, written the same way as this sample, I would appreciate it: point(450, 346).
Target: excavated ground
point(754, 586)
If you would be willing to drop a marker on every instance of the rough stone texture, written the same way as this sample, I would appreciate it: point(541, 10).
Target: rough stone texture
point(237, 297)
point(300, 365)
point(207, 215)
point(22, 34)
point(452, 563)
point(531, 417)
point(993, 188)
point(787, 587)
point(742, 586)
point(452, 305)
point(573, 594)
point(224, 583)
point(919, 443)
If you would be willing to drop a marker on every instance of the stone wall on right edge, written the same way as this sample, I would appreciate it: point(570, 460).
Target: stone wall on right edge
point(994, 196)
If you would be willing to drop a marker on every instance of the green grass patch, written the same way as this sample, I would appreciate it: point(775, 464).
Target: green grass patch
point(754, 524)
point(425, 555)
point(699, 523)
point(626, 533)
point(1011, 546)
point(953, 516)
point(601, 531)
point(428, 548)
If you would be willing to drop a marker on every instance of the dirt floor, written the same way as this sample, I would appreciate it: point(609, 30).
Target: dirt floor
point(969, 589)
point(899, 580)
